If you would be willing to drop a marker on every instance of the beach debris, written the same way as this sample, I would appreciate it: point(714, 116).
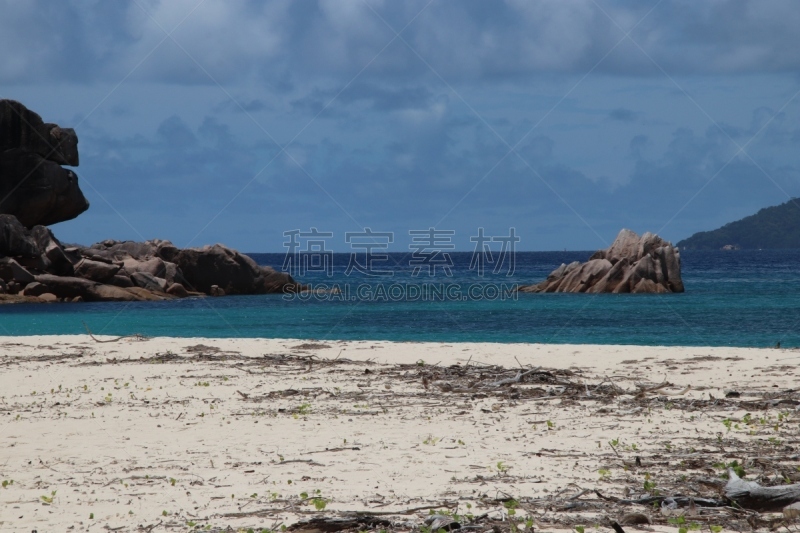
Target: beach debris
point(669, 507)
point(751, 495)
point(335, 524)
point(630, 519)
point(664, 479)
point(439, 521)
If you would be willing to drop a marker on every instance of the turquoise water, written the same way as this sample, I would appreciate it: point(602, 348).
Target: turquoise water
point(744, 298)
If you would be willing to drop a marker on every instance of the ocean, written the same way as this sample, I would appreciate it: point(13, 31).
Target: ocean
point(738, 298)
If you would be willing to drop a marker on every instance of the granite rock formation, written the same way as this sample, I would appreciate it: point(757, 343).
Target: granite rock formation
point(34, 264)
point(632, 264)
point(34, 186)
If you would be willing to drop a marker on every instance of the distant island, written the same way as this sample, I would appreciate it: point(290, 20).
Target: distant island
point(772, 227)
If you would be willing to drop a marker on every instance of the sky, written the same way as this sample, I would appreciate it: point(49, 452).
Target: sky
point(567, 120)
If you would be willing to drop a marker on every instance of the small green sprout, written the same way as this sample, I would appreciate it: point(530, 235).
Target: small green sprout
point(319, 503)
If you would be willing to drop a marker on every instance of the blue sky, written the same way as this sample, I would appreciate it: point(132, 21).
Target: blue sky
point(235, 121)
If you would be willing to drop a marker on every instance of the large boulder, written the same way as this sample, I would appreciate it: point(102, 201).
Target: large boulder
point(632, 264)
point(22, 128)
point(101, 271)
point(15, 239)
point(33, 185)
point(148, 281)
point(231, 271)
point(92, 291)
point(52, 252)
point(38, 191)
point(11, 270)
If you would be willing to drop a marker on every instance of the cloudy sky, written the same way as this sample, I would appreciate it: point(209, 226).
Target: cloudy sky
point(235, 121)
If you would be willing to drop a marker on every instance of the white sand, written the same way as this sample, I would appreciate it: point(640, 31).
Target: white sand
point(129, 445)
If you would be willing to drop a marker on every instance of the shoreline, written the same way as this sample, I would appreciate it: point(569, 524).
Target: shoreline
point(104, 337)
point(243, 432)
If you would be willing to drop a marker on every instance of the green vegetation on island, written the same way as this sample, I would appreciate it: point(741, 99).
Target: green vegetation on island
point(772, 227)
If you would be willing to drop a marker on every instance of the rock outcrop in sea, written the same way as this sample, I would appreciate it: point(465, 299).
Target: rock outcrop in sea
point(35, 266)
point(632, 264)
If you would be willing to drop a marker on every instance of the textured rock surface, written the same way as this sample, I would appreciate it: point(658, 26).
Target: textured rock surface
point(195, 269)
point(33, 185)
point(634, 264)
point(231, 271)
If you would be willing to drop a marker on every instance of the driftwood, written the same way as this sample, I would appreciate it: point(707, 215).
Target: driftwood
point(508, 381)
point(751, 495)
point(649, 500)
point(332, 525)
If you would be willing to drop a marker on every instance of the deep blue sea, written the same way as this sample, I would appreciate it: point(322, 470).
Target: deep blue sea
point(741, 298)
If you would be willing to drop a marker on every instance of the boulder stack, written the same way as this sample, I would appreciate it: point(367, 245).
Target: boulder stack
point(632, 264)
point(34, 187)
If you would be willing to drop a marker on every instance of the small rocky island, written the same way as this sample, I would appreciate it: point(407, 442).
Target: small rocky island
point(36, 191)
point(632, 264)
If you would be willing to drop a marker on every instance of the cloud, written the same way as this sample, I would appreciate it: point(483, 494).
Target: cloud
point(222, 42)
point(411, 124)
point(624, 115)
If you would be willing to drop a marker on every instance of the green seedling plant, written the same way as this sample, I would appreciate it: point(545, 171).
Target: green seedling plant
point(49, 499)
point(7, 482)
point(677, 520)
point(315, 499)
point(430, 440)
point(605, 473)
point(511, 506)
point(649, 484)
point(739, 469)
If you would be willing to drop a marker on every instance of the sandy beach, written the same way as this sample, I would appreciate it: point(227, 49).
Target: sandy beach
point(179, 434)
